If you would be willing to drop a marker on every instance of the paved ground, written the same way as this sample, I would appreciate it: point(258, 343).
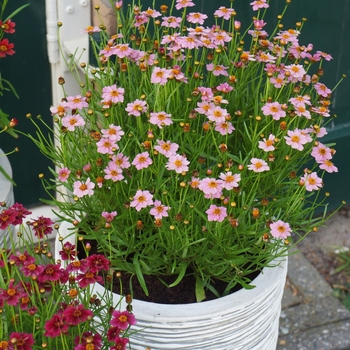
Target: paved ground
point(311, 318)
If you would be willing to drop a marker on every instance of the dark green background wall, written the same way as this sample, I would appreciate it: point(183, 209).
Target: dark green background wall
point(29, 71)
point(327, 27)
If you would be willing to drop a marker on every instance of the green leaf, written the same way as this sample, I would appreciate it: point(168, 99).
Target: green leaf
point(139, 274)
point(15, 12)
point(7, 176)
point(200, 293)
point(183, 268)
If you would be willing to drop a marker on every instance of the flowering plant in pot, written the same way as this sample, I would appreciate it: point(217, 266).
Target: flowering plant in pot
point(49, 304)
point(192, 150)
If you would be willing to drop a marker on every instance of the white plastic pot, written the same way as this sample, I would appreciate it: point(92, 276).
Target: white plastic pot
point(6, 192)
point(246, 320)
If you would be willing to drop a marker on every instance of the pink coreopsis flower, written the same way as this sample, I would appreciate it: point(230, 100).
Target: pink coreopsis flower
point(224, 128)
point(113, 133)
point(113, 94)
point(166, 148)
point(328, 166)
point(206, 93)
point(183, 3)
point(217, 114)
point(91, 30)
point(60, 109)
point(274, 109)
point(151, 13)
point(296, 72)
point(280, 229)
point(321, 153)
point(212, 188)
point(216, 213)
point(322, 110)
point(160, 119)
point(76, 102)
point(142, 199)
point(142, 160)
point(196, 17)
point(106, 146)
point(121, 161)
point(171, 22)
point(122, 50)
point(224, 88)
point(178, 163)
point(259, 4)
point(160, 210)
point(189, 42)
point(217, 69)
point(296, 139)
point(82, 188)
point(267, 145)
point(63, 174)
point(220, 38)
point(278, 81)
point(73, 121)
point(160, 75)
point(300, 100)
point(229, 180)
point(136, 108)
point(300, 111)
point(258, 165)
point(224, 12)
point(113, 172)
point(322, 89)
point(265, 57)
point(122, 319)
point(311, 181)
point(109, 217)
point(204, 107)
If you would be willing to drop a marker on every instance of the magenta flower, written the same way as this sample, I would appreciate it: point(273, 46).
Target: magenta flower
point(13, 294)
point(142, 160)
point(7, 218)
point(88, 339)
point(258, 165)
point(159, 211)
point(6, 48)
point(20, 341)
point(120, 343)
point(68, 251)
point(63, 174)
point(216, 213)
point(122, 319)
point(82, 188)
point(22, 258)
point(142, 199)
point(97, 263)
point(42, 226)
point(51, 273)
point(76, 314)
point(178, 163)
point(280, 229)
point(73, 121)
point(87, 278)
point(32, 270)
point(56, 326)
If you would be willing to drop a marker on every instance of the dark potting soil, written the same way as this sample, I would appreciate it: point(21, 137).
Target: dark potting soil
point(158, 292)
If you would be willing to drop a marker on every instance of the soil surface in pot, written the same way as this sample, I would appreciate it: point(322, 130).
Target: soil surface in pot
point(158, 292)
